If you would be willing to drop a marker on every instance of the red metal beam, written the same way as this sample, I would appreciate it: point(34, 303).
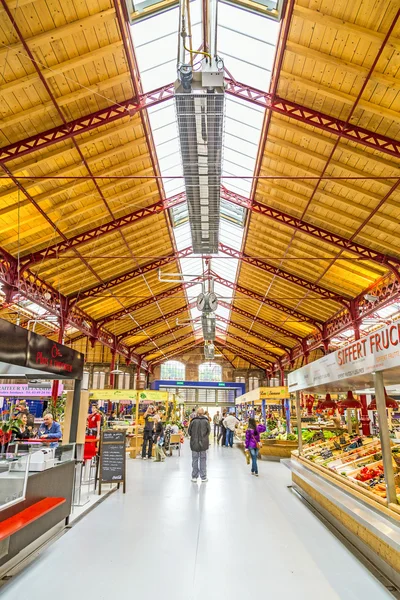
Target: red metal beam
point(311, 230)
point(314, 118)
point(169, 344)
point(260, 321)
point(258, 336)
point(272, 303)
point(245, 354)
point(291, 277)
point(172, 353)
point(97, 232)
point(170, 315)
point(141, 270)
point(135, 307)
point(244, 342)
point(105, 116)
point(173, 330)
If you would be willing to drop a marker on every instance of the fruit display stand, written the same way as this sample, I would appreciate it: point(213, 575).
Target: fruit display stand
point(354, 481)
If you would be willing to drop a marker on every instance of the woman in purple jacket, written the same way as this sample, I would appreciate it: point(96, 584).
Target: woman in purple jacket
point(251, 443)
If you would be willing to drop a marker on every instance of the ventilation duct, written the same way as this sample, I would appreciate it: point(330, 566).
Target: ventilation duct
point(199, 102)
point(208, 326)
point(209, 351)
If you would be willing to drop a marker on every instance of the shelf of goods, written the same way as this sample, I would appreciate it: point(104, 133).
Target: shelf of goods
point(353, 481)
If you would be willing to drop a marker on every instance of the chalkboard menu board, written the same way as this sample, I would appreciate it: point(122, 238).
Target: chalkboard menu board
point(112, 458)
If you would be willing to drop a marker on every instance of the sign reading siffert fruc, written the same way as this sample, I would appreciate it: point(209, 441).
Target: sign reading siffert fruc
point(378, 351)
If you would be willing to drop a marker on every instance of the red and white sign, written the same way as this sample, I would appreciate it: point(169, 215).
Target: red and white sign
point(21, 390)
point(378, 351)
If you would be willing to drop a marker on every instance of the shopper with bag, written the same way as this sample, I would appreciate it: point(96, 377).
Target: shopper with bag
point(252, 444)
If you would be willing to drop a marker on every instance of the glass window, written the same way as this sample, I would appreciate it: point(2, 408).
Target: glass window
point(253, 383)
point(210, 372)
point(173, 369)
point(95, 384)
point(240, 379)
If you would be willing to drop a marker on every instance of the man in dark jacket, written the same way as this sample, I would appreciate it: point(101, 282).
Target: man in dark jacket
point(199, 432)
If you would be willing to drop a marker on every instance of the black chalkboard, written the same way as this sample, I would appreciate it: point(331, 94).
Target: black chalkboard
point(112, 458)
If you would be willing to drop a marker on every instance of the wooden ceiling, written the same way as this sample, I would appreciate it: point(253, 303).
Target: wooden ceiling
point(63, 61)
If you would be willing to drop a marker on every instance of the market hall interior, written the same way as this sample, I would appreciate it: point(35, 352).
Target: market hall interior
point(232, 537)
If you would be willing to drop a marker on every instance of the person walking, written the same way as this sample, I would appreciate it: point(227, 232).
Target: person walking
point(222, 430)
point(252, 443)
point(159, 439)
point(230, 422)
point(199, 432)
point(148, 432)
point(216, 421)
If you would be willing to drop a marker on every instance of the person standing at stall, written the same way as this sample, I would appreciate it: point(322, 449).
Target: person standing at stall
point(230, 422)
point(148, 432)
point(159, 438)
point(94, 421)
point(222, 430)
point(49, 430)
point(216, 422)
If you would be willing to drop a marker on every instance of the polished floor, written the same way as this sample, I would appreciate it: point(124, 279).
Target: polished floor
point(234, 537)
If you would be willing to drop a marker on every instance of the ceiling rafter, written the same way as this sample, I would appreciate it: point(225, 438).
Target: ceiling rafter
point(163, 334)
point(163, 347)
point(245, 354)
point(245, 342)
point(254, 334)
point(170, 315)
point(171, 353)
point(291, 277)
point(280, 330)
point(136, 272)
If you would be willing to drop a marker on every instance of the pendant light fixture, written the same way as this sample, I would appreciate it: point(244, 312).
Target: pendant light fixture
point(328, 403)
point(390, 403)
point(350, 402)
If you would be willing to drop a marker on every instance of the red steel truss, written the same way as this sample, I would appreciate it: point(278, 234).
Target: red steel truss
point(124, 109)
point(35, 289)
point(281, 307)
point(314, 118)
point(254, 334)
point(278, 272)
point(130, 107)
point(135, 307)
point(311, 230)
point(244, 342)
point(170, 315)
point(245, 354)
point(141, 270)
point(97, 232)
point(283, 332)
point(172, 353)
point(162, 334)
point(169, 344)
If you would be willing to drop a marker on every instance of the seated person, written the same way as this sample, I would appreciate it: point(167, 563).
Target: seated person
point(50, 429)
point(24, 430)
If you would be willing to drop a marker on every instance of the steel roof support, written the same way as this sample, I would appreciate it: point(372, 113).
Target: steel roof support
point(260, 321)
point(311, 230)
point(172, 353)
point(169, 344)
point(291, 277)
point(244, 342)
point(162, 334)
point(141, 270)
point(245, 354)
point(258, 336)
point(268, 302)
point(170, 315)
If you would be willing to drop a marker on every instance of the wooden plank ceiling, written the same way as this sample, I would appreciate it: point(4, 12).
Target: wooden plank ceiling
point(329, 63)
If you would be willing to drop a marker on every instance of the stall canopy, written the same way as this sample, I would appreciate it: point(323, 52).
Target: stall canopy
point(272, 395)
point(26, 354)
point(353, 366)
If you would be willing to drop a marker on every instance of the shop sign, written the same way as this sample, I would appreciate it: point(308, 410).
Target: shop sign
point(113, 395)
point(274, 393)
point(153, 396)
point(378, 351)
point(23, 391)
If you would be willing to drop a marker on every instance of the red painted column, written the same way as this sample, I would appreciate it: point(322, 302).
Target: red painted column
point(112, 367)
point(364, 418)
point(54, 389)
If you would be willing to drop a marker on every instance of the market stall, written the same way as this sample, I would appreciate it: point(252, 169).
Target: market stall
point(353, 479)
point(36, 480)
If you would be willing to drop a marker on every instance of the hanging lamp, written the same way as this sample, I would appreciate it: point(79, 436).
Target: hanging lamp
point(350, 402)
point(328, 403)
point(390, 403)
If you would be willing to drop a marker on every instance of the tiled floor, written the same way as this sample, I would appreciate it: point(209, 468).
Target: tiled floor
point(234, 537)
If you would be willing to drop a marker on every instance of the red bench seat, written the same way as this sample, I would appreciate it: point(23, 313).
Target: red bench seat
point(27, 516)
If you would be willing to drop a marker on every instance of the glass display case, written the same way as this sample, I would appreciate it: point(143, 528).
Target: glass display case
point(13, 478)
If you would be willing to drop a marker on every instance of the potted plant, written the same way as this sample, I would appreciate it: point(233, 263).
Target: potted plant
point(7, 428)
